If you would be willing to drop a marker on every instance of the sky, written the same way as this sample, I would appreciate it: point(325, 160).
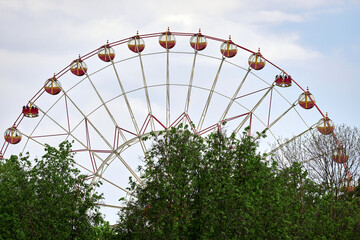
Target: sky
point(317, 42)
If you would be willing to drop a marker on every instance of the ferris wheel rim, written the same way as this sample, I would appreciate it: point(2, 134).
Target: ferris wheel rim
point(104, 162)
point(135, 56)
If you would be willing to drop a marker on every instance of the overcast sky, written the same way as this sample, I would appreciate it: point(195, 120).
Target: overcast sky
point(316, 41)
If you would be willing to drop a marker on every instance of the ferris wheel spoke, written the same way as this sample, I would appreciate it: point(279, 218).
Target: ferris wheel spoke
point(281, 116)
point(41, 119)
point(126, 99)
point(101, 170)
point(129, 168)
point(44, 145)
point(85, 168)
point(146, 93)
point(106, 163)
point(186, 110)
point(119, 149)
point(67, 114)
point(143, 147)
point(292, 139)
point(31, 138)
point(252, 110)
point(295, 103)
point(271, 97)
point(66, 133)
point(115, 185)
point(203, 115)
point(314, 158)
point(105, 106)
point(235, 102)
point(88, 120)
point(167, 90)
point(234, 96)
point(108, 205)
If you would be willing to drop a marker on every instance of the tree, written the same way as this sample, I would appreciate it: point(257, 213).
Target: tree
point(335, 208)
point(219, 187)
point(194, 187)
point(314, 151)
point(200, 188)
point(46, 198)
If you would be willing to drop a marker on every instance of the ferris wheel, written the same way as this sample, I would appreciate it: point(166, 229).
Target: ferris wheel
point(107, 101)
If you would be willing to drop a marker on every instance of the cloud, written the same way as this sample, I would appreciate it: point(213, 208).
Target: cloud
point(294, 4)
point(278, 17)
point(287, 47)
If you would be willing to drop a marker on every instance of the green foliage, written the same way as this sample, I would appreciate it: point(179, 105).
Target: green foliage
point(219, 187)
point(104, 232)
point(46, 198)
